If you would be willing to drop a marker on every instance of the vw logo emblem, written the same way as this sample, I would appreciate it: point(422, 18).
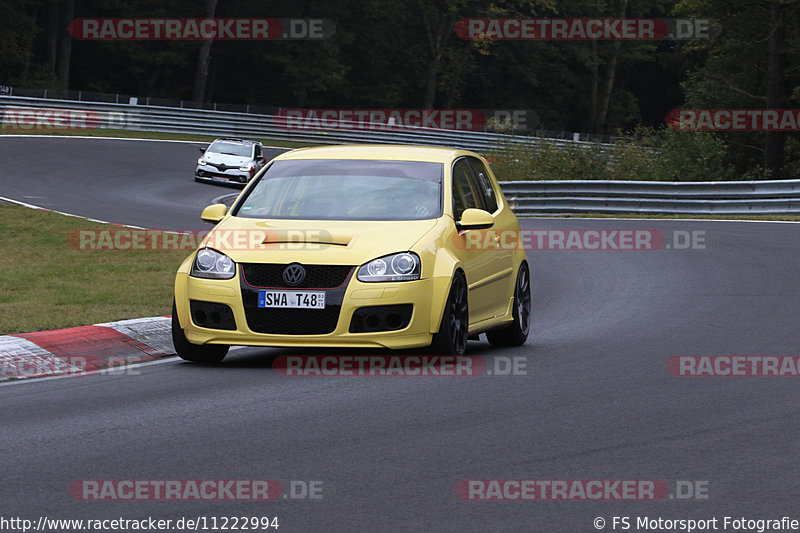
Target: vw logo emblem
point(294, 274)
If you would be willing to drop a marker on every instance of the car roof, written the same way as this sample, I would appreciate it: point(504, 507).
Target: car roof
point(234, 139)
point(378, 152)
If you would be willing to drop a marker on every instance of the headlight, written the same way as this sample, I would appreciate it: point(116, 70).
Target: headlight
point(201, 161)
point(210, 263)
point(248, 167)
point(404, 266)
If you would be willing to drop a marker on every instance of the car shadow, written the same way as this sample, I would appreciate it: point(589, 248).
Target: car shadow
point(275, 358)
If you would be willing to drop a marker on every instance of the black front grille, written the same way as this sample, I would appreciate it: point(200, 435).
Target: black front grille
point(293, 321)
point(330, 278)
point(223, 166)
point(240, 178)
point(317, 276)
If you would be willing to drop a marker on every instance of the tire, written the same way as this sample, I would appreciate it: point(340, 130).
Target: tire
point(453, 331)
point(516, 333)
point(197, 353)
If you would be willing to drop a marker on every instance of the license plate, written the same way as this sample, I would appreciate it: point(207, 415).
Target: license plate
point(292, 299)
point(217, 178)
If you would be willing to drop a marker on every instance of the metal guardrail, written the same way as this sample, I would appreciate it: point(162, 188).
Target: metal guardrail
point(526, 197)
point(692, 198)
point(91, 96)
point(218, 123)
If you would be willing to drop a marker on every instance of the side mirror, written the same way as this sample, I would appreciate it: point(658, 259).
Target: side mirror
point(203, 149)
point(214, 213)
point(475, 219)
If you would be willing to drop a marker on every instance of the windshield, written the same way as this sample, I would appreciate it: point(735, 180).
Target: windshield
point(230, 148)
point(346, 190)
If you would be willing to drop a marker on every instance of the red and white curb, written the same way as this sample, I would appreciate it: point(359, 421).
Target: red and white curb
point(85, 349)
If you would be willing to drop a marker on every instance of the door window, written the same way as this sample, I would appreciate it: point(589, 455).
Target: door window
point(464, 196)
point(484, 184)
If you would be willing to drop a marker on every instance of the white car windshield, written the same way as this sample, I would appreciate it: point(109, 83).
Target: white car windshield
point(346, 190)
point(230, 148)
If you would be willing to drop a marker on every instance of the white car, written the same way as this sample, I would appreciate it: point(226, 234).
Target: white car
point(230, 161)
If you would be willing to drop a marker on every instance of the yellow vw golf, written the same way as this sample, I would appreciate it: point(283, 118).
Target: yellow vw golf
point(361, 247)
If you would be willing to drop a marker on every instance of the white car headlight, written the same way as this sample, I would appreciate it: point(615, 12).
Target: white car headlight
point(404, 266)
point(201, 161)
point(248, 167)
point(210, 263)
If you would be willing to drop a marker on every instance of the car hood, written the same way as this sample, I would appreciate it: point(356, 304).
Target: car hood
point(225, 159)
point(325, 242)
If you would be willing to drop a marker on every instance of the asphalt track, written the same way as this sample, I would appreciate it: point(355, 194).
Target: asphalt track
point(141, 183)
point(596, 402)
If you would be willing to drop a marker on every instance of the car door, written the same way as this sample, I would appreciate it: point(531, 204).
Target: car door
point(487, 268)
point(504, 233)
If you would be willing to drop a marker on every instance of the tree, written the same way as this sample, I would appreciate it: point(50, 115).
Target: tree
point(752, 64)
point(203, 59)
point(65, 49)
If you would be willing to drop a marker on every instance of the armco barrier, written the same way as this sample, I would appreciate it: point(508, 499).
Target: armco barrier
point(693, 198)
point(218, 123)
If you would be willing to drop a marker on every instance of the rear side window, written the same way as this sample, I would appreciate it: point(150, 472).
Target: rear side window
point(484, 184)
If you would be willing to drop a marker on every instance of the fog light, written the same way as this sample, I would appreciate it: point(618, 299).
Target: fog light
point(372, 321)
point(393, 321)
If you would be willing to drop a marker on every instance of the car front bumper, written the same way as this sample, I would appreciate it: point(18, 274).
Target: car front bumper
point(421, 294)
point(212, 174)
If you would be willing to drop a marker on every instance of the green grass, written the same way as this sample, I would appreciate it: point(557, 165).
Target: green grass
point(128, 134)
point(45, 284)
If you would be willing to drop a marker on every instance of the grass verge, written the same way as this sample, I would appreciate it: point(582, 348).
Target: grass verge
point(48, 285)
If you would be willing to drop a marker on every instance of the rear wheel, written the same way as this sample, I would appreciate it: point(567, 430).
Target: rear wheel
point(453, 331)
point(516, 333)
point(197, 353)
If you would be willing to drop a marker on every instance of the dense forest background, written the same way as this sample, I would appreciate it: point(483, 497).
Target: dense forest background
point(405, 54)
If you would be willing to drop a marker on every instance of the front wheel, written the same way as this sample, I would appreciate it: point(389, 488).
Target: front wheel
point(197, 353)
point(516, 333)
point(453, 331)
